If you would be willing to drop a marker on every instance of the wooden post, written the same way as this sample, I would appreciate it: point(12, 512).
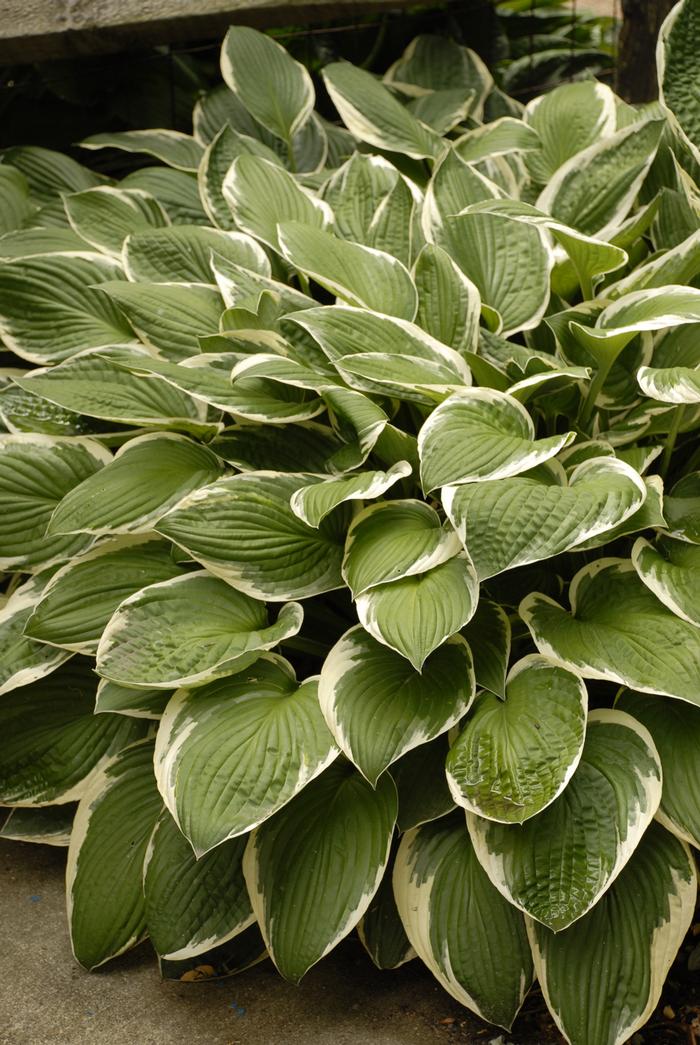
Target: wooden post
point(636, 70)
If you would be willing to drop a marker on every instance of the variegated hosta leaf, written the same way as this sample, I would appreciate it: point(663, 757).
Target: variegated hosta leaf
point(308, 446)
point(682, 508)
point(16, 207)
point(619, 631)
point(472, 940)
point(192, 905)
point(182, 254)
point(421, 784)
point(306, 894)
point(395, 226)
point(207, 379)
point(372, 114)
point(675, 728)
point(449, 304)
point(378, 707)
point(357, 274)
point(489, 634)
point(94, 385)
point(43, 322)
point(22, 660)
point(262, 196)
point(25, 243)
point(481, 433)
point(381, 930)
point(51, 743)
point(242, 287)
point(36, 473)
point(359, 421)
point(147, 477)
point(233, 752)
point(671, 570)
point(313, 503)
point(416, 614)
point(218, 156)
point(105, 216)
point(104, 875)
point(680, 264)
point(355, 191)
point(437, 63)
point(243, 529)
point(76, 604)
point(516, 755)
point(173, 148)
point(567, 120)
point(175, 190)
point(511, 522)
point(589, 257)
point(45, 825)
point(602, 977)
point(509, 262)
point(282, 99)
point(677, 66)
point(392, 540)
point(401, 377)
point(677, 384)
point(498, 138)
point(135, 703)
point(343, 331)
point(453, 186)
point(653, 309)
point(556, 866)
point(169, 317)
point(594, 190)
point(187, 631)
point(650, 515)
point(49, 174)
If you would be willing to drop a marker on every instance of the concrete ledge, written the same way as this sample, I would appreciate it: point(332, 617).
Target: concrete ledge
point(33, 30)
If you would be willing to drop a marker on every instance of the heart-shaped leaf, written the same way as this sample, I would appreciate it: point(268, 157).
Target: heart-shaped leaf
point(282, 100)
point(481, 434)
point(578, 854)
point(395, 539)
point(445, 900)
point(418, 613)
point(610, 609)
point(675, 728)
point(212, 630)
point(516, 755)
point(511, 522)
point(305, 892)
point(192, 905)
point(378, 707)
point(78, 601)
point(671, 570)
point(211, 751)
point(243, 529)
point(623, 948)
point(313, 503)
point(104, 876)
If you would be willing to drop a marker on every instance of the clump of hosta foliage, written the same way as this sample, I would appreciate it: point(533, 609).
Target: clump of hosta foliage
point(351, 523)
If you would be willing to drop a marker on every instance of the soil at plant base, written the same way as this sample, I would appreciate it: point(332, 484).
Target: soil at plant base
point(46, 999)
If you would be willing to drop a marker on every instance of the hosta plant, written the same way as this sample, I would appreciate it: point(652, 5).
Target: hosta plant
point(351, 528)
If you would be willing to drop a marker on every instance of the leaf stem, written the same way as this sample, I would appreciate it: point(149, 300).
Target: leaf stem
point(671, 440)
point(594, 390)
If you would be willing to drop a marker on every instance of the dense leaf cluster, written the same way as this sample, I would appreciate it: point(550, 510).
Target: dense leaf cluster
point(350, 519)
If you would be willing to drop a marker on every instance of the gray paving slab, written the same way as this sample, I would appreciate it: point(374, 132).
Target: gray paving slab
point(46, 999)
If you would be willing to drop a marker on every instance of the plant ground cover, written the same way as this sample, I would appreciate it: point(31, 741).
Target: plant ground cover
point(350, 485)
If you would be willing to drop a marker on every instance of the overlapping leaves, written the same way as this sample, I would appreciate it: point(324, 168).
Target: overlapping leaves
point(365, 499)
